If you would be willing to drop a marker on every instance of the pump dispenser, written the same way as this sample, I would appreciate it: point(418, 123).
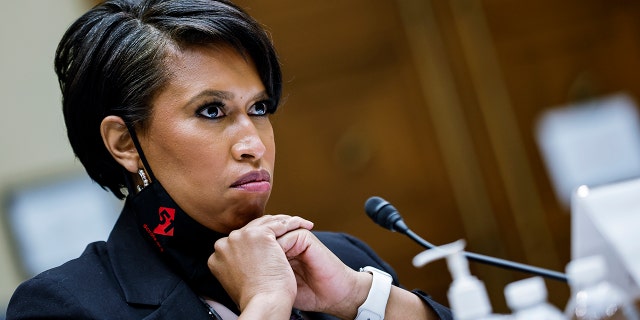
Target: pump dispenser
point(527, 299)
point(467, 295)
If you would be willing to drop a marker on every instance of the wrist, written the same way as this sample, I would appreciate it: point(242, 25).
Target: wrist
point(375, 304)
point(266, 306)
point(345, 304)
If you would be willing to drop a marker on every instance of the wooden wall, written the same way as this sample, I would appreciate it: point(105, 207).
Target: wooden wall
point(432, 104)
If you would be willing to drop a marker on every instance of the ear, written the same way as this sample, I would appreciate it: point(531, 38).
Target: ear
point(117, 139)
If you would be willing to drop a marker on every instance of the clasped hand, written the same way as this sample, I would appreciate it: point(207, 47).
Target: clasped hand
point(275, 263)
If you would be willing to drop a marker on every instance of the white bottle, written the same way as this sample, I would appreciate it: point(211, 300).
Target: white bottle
point(527, 300)
point(467, 295)
point(592, 296)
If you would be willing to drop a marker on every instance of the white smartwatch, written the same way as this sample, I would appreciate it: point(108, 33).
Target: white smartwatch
point(374, 306)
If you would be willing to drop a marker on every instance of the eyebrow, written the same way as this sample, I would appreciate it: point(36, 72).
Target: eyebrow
point(224, 95)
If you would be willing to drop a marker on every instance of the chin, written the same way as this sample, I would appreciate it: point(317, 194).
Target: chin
point(249, 214)
point(245, 215)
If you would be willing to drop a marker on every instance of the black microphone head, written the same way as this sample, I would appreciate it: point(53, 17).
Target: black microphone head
point(384, 214)
point(373, 205)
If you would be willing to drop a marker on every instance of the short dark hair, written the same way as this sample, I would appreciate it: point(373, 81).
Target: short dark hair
point(111, 61)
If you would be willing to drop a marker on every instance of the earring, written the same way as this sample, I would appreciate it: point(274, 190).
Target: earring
point(145, 181)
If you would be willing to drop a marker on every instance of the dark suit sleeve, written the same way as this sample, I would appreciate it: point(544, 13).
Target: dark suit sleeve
point(356, 254)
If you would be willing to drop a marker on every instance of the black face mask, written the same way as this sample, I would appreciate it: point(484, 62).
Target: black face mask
point(183, 243)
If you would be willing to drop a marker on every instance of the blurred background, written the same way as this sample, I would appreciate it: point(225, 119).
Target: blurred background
point(474, 118)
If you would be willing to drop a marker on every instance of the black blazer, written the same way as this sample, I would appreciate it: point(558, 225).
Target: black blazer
point(123, 278)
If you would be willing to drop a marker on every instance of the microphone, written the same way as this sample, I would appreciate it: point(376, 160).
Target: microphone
point(387, 216)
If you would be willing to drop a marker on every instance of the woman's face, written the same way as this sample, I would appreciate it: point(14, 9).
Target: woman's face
point(209, 140)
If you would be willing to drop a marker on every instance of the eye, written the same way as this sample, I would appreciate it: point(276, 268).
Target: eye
point(262, 108)
point(211, 111)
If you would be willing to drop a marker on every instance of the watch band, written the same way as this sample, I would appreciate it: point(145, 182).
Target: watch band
point(374, 306)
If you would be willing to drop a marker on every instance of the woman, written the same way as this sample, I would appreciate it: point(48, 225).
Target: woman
point(167, 103)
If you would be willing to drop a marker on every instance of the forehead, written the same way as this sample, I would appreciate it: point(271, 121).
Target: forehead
point(184, 58)
point(195, 69)
point(188, 63)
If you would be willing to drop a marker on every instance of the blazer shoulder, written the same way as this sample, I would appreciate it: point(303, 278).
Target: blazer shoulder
point(68, 290)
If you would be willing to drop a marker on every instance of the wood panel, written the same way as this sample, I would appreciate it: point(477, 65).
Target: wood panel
point(513, 60)
point(583, 49)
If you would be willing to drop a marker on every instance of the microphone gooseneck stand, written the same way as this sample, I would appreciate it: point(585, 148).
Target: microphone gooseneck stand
point(385, 215)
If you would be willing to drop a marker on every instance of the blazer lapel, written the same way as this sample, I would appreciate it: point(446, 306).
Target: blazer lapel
point(145, 279)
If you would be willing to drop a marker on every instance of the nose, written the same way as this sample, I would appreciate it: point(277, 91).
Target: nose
point(249, 145)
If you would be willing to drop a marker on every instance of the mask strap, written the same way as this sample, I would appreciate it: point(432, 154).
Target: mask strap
point(136, 143)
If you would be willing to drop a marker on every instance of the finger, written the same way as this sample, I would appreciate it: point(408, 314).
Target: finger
point(295, 222)
point(268, 219)
point(212, 263)
point(281, 224)
point(265, 219)
point(295, 242)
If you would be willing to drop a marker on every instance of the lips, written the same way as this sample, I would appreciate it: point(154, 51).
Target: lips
point(253, 180)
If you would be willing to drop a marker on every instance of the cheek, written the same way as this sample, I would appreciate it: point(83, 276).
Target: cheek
point(270, 145)
point(199, 166)
point(185, 151)
point(204, 153)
